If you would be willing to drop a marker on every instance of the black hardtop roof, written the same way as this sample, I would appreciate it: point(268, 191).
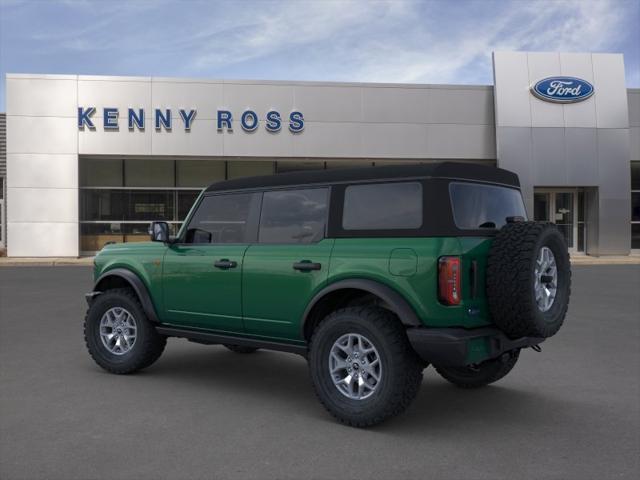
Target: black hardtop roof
point(455, 170)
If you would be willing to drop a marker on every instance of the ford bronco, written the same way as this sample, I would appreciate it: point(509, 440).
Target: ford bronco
point(371, 274)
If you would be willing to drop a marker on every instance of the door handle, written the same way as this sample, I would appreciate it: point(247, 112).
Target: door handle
point(306, 266)
point(225, 264)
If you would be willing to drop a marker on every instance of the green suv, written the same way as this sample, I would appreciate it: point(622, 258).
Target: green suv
point(372, 274)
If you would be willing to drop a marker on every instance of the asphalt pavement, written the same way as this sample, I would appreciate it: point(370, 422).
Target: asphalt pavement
point(569, 412)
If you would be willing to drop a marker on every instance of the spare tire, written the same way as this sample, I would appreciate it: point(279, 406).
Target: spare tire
point(528, 279)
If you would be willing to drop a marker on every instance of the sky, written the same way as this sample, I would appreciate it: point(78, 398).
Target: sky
point(404, 41)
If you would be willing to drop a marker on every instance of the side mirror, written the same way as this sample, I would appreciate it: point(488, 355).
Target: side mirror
point(159, 232)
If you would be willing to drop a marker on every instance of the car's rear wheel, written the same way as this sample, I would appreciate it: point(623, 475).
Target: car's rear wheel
point(362, 366)
point(240, 348)
point(480, 375)
point(119, 336)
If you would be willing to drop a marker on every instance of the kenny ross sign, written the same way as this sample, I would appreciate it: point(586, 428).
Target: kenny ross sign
point(165, 118)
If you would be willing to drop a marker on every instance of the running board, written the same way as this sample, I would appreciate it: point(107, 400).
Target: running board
point(209, 338)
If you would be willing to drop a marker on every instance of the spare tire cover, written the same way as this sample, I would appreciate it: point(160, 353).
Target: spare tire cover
point(528, 279)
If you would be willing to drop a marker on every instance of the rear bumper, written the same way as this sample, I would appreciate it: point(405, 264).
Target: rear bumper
point(457, 347)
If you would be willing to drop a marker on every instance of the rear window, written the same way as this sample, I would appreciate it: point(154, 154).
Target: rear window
point(383, 206)
point(477, 206)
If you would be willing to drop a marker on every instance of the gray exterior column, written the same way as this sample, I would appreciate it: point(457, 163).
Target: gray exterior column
point(583, 144)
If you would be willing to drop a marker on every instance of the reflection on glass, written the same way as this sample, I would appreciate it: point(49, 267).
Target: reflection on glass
point(478, 206)
point(541, 207)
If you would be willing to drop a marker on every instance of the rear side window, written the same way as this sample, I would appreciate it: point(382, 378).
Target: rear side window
point(383, 206)
point(476, 206)
point(293, 216)
point(228, 218)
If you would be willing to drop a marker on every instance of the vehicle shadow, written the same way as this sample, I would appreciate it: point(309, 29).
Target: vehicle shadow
point(282, 380)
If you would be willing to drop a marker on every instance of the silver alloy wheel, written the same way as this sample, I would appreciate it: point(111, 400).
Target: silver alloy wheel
point(354, 366)
point(118, 330)
point(546, 279)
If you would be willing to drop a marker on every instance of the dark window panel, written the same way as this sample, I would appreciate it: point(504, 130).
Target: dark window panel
point(294, 216)
point(383, 206)
point(635, 175)
point(484, 206)
point(226, 218)
point(635, 236)
point(635, 206)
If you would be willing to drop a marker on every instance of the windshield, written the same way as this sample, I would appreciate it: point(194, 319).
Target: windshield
point(477, 206)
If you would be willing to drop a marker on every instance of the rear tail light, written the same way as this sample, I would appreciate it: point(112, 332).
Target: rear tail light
point(449, 280)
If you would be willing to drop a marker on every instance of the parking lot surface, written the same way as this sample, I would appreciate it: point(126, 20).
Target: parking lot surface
point(570, 412)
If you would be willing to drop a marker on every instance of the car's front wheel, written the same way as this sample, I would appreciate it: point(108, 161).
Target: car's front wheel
point(118, 334)
point(363, 368)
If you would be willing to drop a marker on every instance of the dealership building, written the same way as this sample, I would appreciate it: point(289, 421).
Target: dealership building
point(86, 160)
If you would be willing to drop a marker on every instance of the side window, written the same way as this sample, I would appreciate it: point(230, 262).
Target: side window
point(226, 218)
point(383, 206)
point(293, 216)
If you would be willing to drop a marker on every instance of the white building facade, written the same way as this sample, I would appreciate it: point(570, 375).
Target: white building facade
point(94, 159)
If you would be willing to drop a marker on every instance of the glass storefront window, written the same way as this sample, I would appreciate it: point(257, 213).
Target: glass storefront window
point(284, 167)
point(635, 175)
point(635, 236)
point(101, 172)
point(248, 169)
point(199, 173)
point(149, 173)
point(635, 206)
point(186, 199)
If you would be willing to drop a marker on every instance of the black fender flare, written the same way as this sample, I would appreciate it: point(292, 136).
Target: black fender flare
point(138, 286)
point(391, 297)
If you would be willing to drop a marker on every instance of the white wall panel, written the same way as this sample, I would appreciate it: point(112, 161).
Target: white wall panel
point(328, 140)
point(383, 140)
point(101, 92)
point(43, 205)
point(461, 141)
point(259, 143)
point(42, 170)
point(511, 77)
point(633, 96)
point(395, 105)
point(203, 139)
point(120, 141)
point(46, 239)
point(49, 97)
point(205, 97)
point(611, 92)
point(41, 135)
point(260, 99)
point(581, 114)
point(329, 103)
point(544, 114)
point(472, 106)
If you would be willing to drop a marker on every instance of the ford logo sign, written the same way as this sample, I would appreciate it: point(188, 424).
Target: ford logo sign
point(562, 89)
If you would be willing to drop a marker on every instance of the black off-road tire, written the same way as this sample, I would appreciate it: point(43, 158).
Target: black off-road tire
point(511, 279)
point(480, 375)
point(401, 369)
point(241, 348)
point(148, 346)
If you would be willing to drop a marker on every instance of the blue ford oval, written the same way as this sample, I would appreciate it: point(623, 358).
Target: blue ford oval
point(562, 89)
